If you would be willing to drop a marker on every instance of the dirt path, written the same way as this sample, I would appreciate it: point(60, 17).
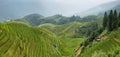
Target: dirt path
point(104, 38)
point(78, 51)
point(117, 40)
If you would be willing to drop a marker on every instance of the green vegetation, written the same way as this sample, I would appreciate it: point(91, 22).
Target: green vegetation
point(60, 36)
point(104, 20)
point(21, 40)
point(111, 21)
point(104, 42)
point(65, 30)
point(106, 48)
point(71, 30)
point(37, 19)
point(69, 45)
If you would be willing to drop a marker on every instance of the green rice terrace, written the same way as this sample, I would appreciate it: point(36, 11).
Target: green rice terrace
point(108, 46)
point(21, 40)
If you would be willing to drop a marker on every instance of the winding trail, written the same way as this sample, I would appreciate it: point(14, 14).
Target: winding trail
point(78, 51)
point(117, 40)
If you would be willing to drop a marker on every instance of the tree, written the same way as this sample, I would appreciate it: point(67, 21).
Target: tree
point(72, 18)
point(115, 20)
point(105, 20)
point(119, 20)
point(110, 21)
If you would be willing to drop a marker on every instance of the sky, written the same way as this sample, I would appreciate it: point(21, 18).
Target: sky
point(20, 8)
point(70, 7)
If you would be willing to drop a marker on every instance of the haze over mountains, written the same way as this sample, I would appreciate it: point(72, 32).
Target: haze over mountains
point(16, 9)
point(98, 10)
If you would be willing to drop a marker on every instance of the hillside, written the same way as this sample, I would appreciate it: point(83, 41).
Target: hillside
point(69, 45)
point(109, 46)
point(70, 30)
point(104, 42)
point(33, 19)
point(21, 40)
point(37, 19)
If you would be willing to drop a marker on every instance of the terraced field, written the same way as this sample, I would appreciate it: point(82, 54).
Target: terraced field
point(105, 48)
point(21, 40)
point(69, 30)
point(68, 46)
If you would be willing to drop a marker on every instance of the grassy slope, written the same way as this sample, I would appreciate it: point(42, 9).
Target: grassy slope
point(68, 45)
point(105, 48)
point(20, 40)
point(66, 30)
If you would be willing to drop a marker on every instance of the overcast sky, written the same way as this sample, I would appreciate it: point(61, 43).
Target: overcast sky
point(19, 8)
point(69, 7)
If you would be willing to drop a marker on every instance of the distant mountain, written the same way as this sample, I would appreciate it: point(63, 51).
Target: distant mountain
point(33, 19)
point(36, 16)
point(98, 10)
point(37, 19)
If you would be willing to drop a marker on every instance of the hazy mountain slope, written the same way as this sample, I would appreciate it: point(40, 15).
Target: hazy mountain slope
point(117, 7)
point(37, 19)
point(33, 19)
point(101, 8)
point(20, 40)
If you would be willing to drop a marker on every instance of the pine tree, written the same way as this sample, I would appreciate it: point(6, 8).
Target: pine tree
point(115, 20)
point(73, 18)
point(110, 21)
point(119, 20)
point(105, 20)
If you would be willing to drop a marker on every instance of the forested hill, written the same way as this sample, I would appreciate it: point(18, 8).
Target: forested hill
point(37, 19)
